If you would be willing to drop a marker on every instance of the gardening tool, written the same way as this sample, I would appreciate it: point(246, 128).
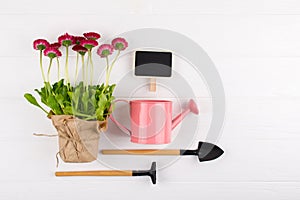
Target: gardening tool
point(151, 120)
point(151, 172)
point(205, 152)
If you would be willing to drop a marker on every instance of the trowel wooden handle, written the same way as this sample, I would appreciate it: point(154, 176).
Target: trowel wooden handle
point(95, 173)
point(141, 152)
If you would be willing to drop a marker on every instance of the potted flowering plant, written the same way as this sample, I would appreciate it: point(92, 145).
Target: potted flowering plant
point(79, 110)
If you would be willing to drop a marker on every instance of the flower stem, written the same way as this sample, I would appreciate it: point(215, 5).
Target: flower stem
point(87, 70)
point(115, 59)
point(76, 70)
point(107, 69)
point(48, 74)
point(41, 65)
point(66, 65)
point(92, 66)
point(83, 70)
point(58, 68)
point(84, 115)
point(112, 65)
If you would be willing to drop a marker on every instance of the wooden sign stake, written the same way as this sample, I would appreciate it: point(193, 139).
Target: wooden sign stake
point(153, 84)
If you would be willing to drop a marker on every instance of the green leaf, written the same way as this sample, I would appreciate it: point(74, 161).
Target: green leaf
point(60, 100)
point(31, 99)
point(43, 95)
point(85, 101)
point(48, 87)
point(100, 113)
point(68, 110)
point(52, 103)
point(92, 101)
point(75, 98)
point(101, 107)
point(88, 103)
point(58, 86)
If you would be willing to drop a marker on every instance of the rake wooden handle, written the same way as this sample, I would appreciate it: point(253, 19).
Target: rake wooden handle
point(95, 173)
point(141, 152)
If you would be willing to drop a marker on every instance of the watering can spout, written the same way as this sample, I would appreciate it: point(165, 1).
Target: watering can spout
point(192, 107)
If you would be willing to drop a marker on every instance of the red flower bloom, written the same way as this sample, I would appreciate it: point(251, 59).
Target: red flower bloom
point(92, 36)
point(55, 45)
point(78, 39)
point(89, 44)
point(52, 52)
point(119, 43)
point(40, 44)
point(80, 49)
point(105, 50)
point(66, 40)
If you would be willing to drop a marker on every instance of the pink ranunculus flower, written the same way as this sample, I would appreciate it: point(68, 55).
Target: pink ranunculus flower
point(40, 44)
point(92, 35)
point(66, 40)
point(89, 44)
point(52, 52)
point(105, 50)
point(119, 44)
point(55, 45)
point(80, 49)
point(78, 39)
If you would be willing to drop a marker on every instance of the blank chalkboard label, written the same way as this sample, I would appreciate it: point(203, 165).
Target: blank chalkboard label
point(153, 64)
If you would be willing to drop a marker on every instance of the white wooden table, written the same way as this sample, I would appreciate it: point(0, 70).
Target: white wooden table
point(255, 45)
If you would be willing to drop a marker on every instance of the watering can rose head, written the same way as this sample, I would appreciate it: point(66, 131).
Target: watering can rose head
point(82, 99)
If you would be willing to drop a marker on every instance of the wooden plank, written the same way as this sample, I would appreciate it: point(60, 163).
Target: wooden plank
point(100, 187)
point(247, 118)
point(158, 7)
point(242, 77)
point(229, 35)
point(243, 161)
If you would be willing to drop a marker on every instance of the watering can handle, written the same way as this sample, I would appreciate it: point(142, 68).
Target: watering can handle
point(122, 127)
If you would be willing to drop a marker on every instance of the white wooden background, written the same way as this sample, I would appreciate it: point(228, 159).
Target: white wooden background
point(254, 44)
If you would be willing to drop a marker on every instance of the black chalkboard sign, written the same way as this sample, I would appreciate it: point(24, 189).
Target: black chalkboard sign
point(153, 64)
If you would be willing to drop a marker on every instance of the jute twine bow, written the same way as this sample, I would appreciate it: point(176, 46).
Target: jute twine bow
point(68, 138)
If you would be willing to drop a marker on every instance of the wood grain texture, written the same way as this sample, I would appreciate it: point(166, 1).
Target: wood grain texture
point(152, 85)
point(235, 36)
point(255, 47)
point(141, 152)
point(95, 173)
point(214, 7)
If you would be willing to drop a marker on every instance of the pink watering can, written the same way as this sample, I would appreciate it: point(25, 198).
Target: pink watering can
point(151, 120)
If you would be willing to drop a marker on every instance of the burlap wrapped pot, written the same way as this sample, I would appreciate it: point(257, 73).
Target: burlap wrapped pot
point(78, 139)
